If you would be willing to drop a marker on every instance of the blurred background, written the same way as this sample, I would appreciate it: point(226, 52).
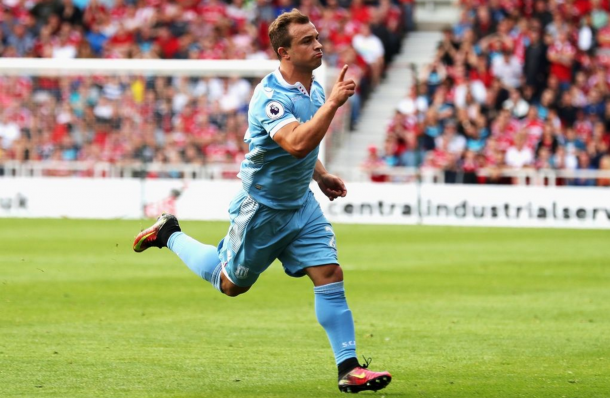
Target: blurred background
point(451, 93)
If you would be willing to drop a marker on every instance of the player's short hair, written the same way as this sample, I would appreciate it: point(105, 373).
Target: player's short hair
point(278, 30)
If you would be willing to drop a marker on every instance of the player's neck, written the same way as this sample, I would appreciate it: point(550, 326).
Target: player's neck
point(292, 76)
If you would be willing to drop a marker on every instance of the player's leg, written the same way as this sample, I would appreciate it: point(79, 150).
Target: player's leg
point(334, 314)
point(202, 259)
point(313, 253)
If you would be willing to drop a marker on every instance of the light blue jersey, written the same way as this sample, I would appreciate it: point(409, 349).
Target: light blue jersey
point(269, 174)
point(276, 214)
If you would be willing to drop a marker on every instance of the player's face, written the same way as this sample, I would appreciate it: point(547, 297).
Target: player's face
point(305, 50)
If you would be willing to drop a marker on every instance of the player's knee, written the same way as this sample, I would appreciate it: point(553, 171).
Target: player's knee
point(229, 288)
point(232, 290)
point(335, 274)
point(325, 274)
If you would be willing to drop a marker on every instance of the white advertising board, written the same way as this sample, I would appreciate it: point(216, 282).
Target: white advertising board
point(69, 197)
point(366, 203)
point(566, 207)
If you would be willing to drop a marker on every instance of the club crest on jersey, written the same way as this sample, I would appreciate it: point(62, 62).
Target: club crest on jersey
point(274, 110)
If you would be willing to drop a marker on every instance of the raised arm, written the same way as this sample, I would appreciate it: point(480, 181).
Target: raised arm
point(300, 139)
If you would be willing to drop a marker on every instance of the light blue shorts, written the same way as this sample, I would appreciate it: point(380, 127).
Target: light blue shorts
point(258, 234)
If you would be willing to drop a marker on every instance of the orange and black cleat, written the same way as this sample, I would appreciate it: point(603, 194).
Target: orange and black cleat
point(158, 234)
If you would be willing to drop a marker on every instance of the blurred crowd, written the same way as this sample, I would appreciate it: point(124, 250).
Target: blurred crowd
point(514, 84)
point(194, 120)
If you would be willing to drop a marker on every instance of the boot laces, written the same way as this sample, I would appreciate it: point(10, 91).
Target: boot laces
point(367, 362)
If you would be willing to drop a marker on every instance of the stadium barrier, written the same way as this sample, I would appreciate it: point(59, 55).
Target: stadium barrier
point(217, 171)
point(536, 177)
point(55, 168)
point(366, 203)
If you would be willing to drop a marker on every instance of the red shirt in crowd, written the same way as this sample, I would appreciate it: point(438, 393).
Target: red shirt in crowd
point(559, 69)
point(534, 131)
point(212, 11)
point(360, 12)
point(603, 37)
point(583, 129)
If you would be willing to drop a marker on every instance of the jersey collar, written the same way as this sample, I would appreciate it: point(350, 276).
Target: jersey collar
point(297, 85)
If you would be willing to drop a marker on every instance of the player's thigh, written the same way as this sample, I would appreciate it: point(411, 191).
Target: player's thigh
point(255, 239)
point(315, 244)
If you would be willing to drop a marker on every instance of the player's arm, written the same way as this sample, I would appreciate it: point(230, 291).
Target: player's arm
point(300, 139)
point(330, 185)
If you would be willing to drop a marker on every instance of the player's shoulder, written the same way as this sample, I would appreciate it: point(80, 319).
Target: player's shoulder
point(270, 87)
point(271, 93)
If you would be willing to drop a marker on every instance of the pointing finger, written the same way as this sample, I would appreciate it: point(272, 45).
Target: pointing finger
point(342, 74)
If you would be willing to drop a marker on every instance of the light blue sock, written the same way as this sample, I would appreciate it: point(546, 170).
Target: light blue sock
point(201, 259)
point(336, 318)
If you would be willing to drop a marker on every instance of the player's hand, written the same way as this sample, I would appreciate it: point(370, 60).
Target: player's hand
point(342, 90)
point(332, 186)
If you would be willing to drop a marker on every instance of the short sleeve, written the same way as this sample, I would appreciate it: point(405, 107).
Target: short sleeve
point(273, 110)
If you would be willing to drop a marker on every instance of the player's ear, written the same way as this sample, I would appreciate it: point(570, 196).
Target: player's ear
point(283, 52)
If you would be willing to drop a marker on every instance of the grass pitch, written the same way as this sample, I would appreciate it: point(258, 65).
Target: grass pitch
point(450, 312)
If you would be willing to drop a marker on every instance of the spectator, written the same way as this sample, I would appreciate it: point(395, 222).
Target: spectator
point(390, 151)
point(408, 11)
point(94, 12)
point(464, 24)
point(21, 40)
point(68, 12)
point(122, 41)
point(584, 164)
point(475, 137)
point(96, 39)
point(599, 16)
point(9, 131)
point(447, 48)
point(596, 106)
point(535, 68)
point(604, 165)
point(548, 140)
point(455, 143)
point(373, 163)
point(508, 69)
point(561, 57)
point(483, 23)
point(433, 75)
point(516, 104)
point(519, 155)
point(44, 9)
point(467, 90)
point(65, 48)
point(371, 49)
point(585, 35)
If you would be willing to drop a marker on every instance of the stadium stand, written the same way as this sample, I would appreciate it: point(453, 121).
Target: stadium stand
point(128, 119)
point(515, 85)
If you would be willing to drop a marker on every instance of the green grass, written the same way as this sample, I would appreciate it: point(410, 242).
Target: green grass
point(451, 312)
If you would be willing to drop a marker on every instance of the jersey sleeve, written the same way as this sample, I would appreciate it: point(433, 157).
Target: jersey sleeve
point(273, 110)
